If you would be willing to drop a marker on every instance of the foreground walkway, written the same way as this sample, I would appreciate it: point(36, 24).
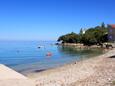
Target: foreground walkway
point(98, 71)
point(9, 77)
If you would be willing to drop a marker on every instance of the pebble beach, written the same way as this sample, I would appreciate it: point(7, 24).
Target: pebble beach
point(97, 71)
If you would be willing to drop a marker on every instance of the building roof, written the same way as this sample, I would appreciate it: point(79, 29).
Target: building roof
point(112, 25)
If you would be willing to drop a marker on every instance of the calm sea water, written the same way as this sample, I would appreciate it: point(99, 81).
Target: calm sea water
point(25, 56)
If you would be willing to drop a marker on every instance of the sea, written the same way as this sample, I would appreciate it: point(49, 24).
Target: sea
point(31, 56)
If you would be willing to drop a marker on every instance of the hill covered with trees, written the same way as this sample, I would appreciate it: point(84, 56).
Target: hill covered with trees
point(92, 36)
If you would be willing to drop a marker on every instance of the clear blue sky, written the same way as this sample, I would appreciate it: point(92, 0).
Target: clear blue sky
point(48, 19)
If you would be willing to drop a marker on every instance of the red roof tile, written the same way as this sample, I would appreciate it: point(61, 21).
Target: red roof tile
point(112, 25)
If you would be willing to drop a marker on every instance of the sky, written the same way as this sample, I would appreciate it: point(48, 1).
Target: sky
point(49, 19)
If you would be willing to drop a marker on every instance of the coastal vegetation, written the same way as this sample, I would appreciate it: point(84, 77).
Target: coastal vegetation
point(92, 36)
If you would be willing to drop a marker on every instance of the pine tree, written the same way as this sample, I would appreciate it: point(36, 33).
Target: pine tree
point(81, 31)
point(103, 25)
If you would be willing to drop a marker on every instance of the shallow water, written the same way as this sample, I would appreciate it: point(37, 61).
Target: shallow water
point(25, 56)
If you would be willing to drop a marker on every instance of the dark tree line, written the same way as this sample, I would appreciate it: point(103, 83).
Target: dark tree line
point(92, 36)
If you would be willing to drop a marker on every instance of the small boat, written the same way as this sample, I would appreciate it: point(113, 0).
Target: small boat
point(40, 46)
point(57, 43)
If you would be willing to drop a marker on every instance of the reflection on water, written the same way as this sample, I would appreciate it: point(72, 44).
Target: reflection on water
point(81, 53)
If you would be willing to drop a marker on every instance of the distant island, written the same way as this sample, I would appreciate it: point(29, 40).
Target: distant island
point(87, 37)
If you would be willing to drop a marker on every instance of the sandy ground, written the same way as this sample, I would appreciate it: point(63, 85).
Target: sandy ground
point(97, 71)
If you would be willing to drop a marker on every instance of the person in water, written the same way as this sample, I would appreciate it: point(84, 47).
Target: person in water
point(49, 54)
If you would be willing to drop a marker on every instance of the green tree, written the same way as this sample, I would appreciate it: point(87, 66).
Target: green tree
point(80, 35)
point(96, 35)
point(69, 38)
point(81, 31)
point(103, 25)
point(89, 37)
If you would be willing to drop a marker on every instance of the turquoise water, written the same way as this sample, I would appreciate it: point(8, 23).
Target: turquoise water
point(25, 56)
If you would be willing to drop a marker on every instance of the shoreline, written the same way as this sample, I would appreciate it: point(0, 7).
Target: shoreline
point(61, 66)
point(66, 64)
point(95, 71)
point(70, 74)
point(93, 53)
point(82, 46)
